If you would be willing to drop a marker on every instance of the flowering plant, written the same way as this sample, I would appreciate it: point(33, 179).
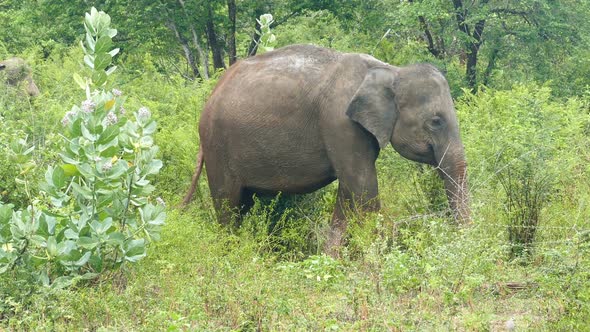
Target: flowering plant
point(97, 211)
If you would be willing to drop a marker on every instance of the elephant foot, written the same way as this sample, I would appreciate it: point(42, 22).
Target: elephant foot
point(334, 243)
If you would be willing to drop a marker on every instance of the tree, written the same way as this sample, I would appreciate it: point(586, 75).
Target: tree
point(459, 28)
point(231, 41)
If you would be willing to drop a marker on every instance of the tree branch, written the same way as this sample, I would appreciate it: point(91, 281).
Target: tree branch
point(460, 16)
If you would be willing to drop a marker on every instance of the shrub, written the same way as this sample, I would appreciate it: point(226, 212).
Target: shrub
point(525, 144)
point(94, 213)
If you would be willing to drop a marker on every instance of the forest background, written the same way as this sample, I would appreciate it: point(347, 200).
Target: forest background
point(520, 75)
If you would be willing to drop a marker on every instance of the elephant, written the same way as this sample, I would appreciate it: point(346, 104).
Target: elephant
point(16, 71)
point(297, 118)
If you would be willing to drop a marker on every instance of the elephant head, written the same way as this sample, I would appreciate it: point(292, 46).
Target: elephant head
point(16, 71)
point(412, 108)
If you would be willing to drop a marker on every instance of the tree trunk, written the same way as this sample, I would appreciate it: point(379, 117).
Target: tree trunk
point(212, 37)
point(491, 64)
point(203, 57)
point(253, 48)
point(188, 54)
point(431, 45)
point(475, 42)
point(471, 68)
point(231, 13)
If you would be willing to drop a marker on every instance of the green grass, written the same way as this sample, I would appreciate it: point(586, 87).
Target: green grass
point(442, 277)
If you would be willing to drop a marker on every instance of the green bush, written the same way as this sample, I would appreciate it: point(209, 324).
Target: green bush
point(526, 144)
point(94, 214)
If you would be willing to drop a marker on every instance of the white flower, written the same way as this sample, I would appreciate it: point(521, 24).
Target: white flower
point(111, 119)
point(88, 106)
point(160, 201)
point(68, 118)
point(107, 166)
point(144, 113)
point(266, 19)
point(117, 92)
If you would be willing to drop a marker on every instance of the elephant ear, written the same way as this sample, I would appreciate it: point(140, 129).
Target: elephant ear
point(373, 105)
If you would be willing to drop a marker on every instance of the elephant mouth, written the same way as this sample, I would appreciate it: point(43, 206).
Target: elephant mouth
point(432, 156)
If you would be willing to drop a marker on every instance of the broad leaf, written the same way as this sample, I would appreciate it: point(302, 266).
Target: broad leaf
point(102, 61)
point(108, 134)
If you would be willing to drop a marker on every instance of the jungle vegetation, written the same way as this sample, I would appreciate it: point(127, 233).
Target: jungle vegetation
point(113, 134)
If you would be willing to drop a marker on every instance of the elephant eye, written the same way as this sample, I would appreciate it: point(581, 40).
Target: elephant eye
point(436, 123)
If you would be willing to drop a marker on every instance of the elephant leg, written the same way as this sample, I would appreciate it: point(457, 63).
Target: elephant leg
point(228, 201)
point(356, 193)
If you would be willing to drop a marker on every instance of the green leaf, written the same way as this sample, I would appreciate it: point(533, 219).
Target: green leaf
point(153, 167)
point(86, 133)
point(110, 70)
point(116, 239)
point(71, 234)
point(81, 82)
point(119, 168)
point(103, 45)
point(77, 127)
point(87, 242)
point(83, 260)
point(89, 276)
point(150, 128)
point(135, 250)
point(102, 24)
point(59, 177)
point(109, 134)
point(52, 246)
point(101, 227)
point(96, 263)
point(46, 225)
point(90, 43)
point(111, 33)
point(109, 151)
point(99, 78)
point(70, 169)
point(82, 191)
point(153, 214)
point(146, 141)
point(67, 248)
point(85, 170)
point(102, 61)
point(5, 212)
point(89, 22)
point(89, 60)
point(62, 282)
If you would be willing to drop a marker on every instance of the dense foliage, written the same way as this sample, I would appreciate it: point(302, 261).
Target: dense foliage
point(94, 213)
point(78, 185)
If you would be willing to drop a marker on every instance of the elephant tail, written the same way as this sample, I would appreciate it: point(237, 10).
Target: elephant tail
point(189, 195)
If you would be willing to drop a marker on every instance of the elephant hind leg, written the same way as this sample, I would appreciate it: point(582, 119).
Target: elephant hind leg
point(231, 203)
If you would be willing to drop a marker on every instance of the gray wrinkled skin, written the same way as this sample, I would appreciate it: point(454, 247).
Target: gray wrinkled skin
point(296, 119)
point(17, 73)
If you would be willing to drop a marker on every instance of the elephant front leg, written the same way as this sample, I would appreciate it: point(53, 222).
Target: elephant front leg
point(355, 198)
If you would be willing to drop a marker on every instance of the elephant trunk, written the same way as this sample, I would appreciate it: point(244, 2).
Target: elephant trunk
point(452, 168)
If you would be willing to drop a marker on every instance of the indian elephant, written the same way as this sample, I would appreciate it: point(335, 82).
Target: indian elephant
point(295, 119)
point(16, 71)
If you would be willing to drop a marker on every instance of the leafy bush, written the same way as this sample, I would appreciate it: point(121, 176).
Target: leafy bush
point(526, 144)
point(95, 213)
